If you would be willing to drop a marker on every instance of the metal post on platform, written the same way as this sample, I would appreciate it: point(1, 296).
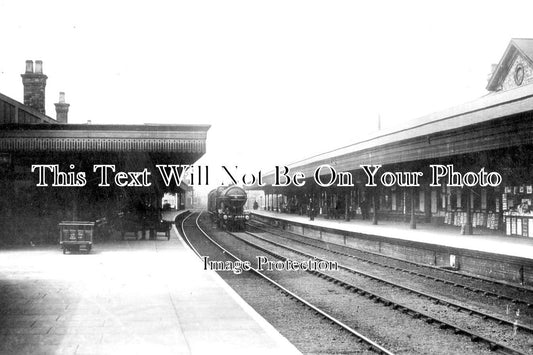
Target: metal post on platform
point(375, 208)
point(74, 197)
point(427, 205)
point(468, 230)
point(347, 207)
point(413, 217)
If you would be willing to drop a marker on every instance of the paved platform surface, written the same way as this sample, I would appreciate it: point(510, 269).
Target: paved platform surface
point(127, 297)
point(425, 233)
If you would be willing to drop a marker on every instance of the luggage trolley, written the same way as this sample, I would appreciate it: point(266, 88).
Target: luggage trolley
point(76, 235)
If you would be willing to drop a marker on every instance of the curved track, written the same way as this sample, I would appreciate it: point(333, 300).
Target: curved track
point(494, 345)
point(503, 298)
point(480, 284)
point(368, 343)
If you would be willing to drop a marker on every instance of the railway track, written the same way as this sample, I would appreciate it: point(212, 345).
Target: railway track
point(436, 299)
point(493, 344)
point(444, 276)
point(365, 344)
point(401, 310)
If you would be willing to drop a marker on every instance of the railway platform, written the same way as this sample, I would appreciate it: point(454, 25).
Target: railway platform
point(503, 258)
point(126, 297)
point(425, 233)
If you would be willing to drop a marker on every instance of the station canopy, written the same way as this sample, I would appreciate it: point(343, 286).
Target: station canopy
point(28, 137)
point(131, 148)
point(498, 120)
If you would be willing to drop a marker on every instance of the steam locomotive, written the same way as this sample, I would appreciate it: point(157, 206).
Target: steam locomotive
point(226, 207)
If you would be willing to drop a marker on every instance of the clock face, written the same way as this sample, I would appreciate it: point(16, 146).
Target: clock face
point(519, 75)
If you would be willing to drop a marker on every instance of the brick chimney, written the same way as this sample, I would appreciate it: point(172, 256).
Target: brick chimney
point(62, 109)
point(34, 86)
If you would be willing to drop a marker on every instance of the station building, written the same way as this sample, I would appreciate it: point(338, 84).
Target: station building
point(28, 137)
point(493, 134)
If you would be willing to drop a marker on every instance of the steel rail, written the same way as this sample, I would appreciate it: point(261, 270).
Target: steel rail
point(408, 289)
point(493, 344)
point(434, 278)
point(372, 344)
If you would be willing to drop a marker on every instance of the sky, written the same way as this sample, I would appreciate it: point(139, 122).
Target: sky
point(278, 81)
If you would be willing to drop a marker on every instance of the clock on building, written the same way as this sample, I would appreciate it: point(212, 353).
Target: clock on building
point(519, 75)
